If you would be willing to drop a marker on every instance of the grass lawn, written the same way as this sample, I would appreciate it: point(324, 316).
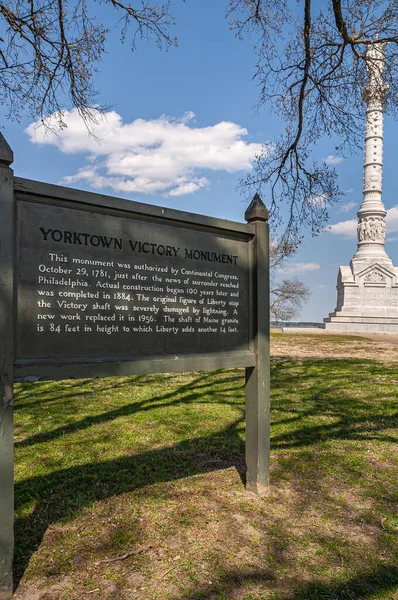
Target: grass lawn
point(154, 466)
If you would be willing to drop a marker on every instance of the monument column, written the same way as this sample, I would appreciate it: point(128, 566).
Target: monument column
point(371, 227)
point(367, 289)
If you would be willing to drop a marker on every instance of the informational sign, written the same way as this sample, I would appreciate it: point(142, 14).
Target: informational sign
point(95, 285)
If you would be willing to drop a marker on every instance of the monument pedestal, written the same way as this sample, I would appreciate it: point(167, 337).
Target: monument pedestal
point(367, 300)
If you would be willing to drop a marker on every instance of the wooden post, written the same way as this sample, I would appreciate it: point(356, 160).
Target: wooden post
point(258, 377)
point(6, 369)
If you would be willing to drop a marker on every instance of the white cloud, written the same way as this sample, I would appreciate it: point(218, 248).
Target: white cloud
point(164, 155)
point(392, 220)
point(345, 208)
point(188, 188)
point(321, 286)
point(298, 267)
point(333, 160)
point(348, 229)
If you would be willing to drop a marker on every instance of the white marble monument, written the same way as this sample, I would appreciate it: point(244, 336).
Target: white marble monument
point(367, 290)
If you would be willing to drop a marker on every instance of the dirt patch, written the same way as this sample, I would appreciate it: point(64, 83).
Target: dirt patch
point(44, 590)
point(322, 346)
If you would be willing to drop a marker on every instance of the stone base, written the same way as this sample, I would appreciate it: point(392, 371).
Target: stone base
point(366, 326)
point(367, 299)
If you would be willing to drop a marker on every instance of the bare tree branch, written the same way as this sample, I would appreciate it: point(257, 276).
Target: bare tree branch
point(311, 71)
point(50, 49)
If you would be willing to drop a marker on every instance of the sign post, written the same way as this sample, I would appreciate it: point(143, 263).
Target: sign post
point(258, 377)
point(6, 369)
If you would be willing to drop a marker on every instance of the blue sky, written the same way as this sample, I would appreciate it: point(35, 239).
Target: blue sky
point(192, 114)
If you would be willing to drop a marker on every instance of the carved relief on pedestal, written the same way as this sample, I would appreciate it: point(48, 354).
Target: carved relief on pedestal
point(371, 229)
point(375, 276)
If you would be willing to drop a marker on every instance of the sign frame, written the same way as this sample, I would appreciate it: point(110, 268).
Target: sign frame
point(256, 359)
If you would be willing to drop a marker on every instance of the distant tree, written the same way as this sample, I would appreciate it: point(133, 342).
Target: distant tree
point(287, 296)
point(311, 70)
point(51, 48)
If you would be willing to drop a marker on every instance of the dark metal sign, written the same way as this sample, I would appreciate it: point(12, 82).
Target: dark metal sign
point(93, 286)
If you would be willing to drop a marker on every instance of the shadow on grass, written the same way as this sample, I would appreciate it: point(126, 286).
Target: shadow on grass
point(169, 399)
point(44, 391)
point(60, 494)
point(365, 585)
point(306, 392)
point(326, 392)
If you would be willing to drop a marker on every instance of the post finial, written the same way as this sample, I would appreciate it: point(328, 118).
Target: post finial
point(6, 154)
point(256, 211)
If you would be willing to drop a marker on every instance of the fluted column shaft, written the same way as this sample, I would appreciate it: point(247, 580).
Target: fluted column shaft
point(371, 227)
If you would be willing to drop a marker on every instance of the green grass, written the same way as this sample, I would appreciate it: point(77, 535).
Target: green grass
point(107, 466)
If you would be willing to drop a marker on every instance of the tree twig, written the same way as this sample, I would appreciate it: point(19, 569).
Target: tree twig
point(169, 570)
point(124, 556)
